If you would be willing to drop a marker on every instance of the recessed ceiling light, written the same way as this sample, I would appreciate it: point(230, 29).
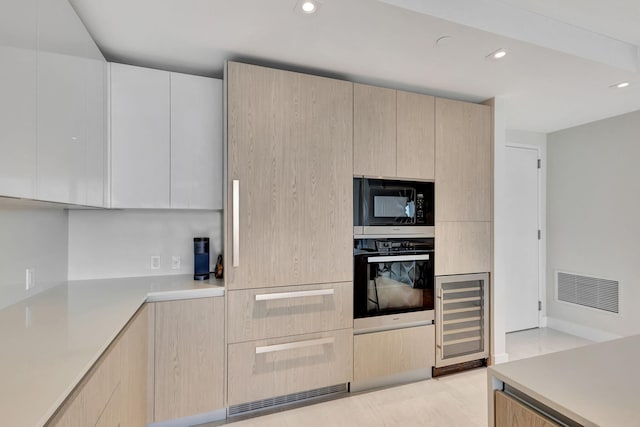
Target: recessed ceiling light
point(499, 54)
point(308, 7)
point(622, 85)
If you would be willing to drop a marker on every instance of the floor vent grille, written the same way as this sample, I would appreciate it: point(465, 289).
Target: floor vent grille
point(601, 294)
point(274, 402)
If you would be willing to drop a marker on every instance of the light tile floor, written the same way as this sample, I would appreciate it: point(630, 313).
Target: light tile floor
point(454, 400)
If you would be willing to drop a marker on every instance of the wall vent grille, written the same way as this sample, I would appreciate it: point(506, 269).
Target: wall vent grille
point(273, 402)
point(601, 294)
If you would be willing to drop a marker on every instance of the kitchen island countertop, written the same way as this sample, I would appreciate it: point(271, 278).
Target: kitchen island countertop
point(49, 341)
point(594, 385)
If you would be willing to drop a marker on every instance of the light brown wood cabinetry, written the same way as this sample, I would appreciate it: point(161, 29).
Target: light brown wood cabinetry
point(374, 131)
point(510, 412)
point(134, 369)
point(114, 391)
point(393, 133)
point(415, 143)
point(290, 149)
point(259, 313)
point(463, 161)
point(385, 353)
point(463, 247)
point(189, 357)
point(277, 367)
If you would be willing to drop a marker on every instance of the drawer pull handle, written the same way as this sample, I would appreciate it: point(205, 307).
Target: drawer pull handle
point(294, 345)
point(235, 222)
point(296, 294)
point(398, 258)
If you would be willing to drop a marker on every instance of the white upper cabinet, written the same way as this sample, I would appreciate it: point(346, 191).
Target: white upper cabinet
point(140, 137)
point(166, 139)
point(196, 142)
point(52, 108)
point(18, 56)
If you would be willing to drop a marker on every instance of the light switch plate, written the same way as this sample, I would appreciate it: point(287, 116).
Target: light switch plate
point(176, 262)
point(155, 262)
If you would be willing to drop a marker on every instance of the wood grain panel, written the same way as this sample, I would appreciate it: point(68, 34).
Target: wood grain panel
point(134, 371)
point(258, 376)
point(391, 352)
point(112, 415)
point(415, 142)
point(463, 161)
point(89, 399)
point(374, 131)
point(509, 412)
point(189, 357)
point(462, 247)
point(290, 146)
point(251, 320)
point(151, 357)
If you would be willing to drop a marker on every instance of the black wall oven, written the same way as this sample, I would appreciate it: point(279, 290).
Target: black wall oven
point(393, 281)
point(391, 207)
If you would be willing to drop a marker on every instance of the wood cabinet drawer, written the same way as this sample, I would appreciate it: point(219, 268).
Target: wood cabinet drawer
point(277, 367)
point(380, 354)
point(511, 412)
point(293, 310)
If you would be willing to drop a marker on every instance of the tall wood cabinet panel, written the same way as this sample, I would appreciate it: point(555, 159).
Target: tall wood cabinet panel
point(374, 131)
point(18, 56)
point(463, 247)
point(196, 142)
point(140, 147)
point(290, 148)
point(415, 142)
point(463, 161)
point(189, 357)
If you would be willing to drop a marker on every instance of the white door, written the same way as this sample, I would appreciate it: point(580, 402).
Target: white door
point(522, 242)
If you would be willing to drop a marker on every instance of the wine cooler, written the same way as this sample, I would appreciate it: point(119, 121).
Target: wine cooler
point(462, 318)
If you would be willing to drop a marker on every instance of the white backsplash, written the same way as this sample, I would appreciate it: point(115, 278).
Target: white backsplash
point(33, 238)
point(120, 243)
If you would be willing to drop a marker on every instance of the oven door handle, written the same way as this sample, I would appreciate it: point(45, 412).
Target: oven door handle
point(398, 258)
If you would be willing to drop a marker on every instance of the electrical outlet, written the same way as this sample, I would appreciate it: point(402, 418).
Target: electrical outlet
point(28, 280)
point(155, 262)
point(176, 262)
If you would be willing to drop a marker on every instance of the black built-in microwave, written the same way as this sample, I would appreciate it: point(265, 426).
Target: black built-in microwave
point(392, 207)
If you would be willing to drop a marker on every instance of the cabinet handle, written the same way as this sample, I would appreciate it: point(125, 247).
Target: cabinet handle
point(398, 258)
point(296, 294)
point(235, 224)
point(293, 345)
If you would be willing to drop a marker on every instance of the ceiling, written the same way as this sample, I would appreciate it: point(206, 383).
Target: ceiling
point(563, 57)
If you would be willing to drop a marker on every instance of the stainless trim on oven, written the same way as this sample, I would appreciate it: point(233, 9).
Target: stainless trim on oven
point(397, 230)
point(392, 321)
point(398, 258)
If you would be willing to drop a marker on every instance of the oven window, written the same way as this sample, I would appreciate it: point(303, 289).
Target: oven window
point(397, 286)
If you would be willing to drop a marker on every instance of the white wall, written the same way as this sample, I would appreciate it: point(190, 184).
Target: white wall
point(35, 238)
point(539, 140)
point(120, 243)
point(594, 219)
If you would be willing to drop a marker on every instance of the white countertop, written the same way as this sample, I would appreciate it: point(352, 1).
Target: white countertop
point(595, 385)
point(50, 341)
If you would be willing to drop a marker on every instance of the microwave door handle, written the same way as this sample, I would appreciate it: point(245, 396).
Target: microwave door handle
point(398, 258)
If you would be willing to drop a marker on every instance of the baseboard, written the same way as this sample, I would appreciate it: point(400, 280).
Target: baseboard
point(497, 359)
point(193, 420)
point(544, 321)
point(581, 331)
point(391, 380)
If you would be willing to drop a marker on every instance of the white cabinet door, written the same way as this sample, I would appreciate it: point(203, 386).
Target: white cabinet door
point(140, 137)
point(18, 56)
point(61, 129)
point(196, 142)
point(96, 132)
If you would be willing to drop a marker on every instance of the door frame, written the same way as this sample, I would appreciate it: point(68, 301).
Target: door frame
point(542, 286)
